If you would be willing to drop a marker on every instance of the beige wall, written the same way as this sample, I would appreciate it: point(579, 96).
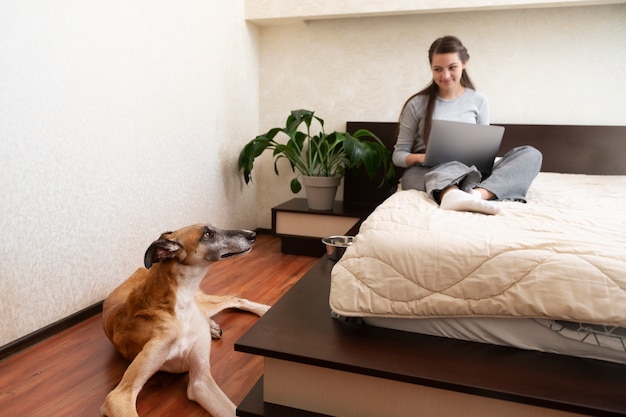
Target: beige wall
point(118, 121)
point(542, 65)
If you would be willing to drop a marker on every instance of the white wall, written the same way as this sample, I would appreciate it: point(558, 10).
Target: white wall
point(118, 121)
point(548, 65)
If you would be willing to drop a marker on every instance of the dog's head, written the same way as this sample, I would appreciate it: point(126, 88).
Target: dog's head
point(199, 245)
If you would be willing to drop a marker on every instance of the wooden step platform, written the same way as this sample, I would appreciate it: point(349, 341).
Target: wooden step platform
point(254, 406)
point(299, 329)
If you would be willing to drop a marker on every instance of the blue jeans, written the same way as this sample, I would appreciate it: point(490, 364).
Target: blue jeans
point(509, 180)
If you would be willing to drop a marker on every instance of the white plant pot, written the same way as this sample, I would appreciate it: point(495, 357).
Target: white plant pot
point(321, 191)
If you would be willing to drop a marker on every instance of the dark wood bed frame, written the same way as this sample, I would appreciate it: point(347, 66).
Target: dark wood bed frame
point(299, 327)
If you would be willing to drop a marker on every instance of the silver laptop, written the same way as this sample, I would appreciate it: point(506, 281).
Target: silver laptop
point(468, 143)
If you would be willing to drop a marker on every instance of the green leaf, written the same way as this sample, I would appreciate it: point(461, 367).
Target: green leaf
point(295, 185)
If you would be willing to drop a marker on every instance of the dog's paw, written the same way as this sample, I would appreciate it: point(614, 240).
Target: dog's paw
point(216, 330)
point(118, 404)
point(262, 309)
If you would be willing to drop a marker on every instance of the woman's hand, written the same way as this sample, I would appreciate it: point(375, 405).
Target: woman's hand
point(415, 159)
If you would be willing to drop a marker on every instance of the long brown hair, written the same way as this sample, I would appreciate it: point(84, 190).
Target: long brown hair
point(444, 45)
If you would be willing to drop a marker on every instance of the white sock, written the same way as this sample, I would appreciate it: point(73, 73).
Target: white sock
point(461, 201)
point(476, 193)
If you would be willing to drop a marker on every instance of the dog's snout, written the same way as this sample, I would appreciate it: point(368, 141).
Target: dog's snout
point(251, 236)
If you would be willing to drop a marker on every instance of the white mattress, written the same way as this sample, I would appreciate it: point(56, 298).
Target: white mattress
point(521, 333)
point(562, 257)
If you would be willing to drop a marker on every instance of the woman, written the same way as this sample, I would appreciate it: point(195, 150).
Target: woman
point(452, 96)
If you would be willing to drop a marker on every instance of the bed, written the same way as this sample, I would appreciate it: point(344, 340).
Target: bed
point(548, 275)
point(372, 336)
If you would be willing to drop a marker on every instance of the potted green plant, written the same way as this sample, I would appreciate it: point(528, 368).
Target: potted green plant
point(318, 157)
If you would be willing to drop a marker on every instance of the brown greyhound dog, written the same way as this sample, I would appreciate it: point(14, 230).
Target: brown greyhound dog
point(160, 320)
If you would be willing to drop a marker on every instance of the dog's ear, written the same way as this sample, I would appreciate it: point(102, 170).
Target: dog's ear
point(159, 250)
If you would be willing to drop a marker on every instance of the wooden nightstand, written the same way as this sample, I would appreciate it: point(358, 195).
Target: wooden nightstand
point(301, 230)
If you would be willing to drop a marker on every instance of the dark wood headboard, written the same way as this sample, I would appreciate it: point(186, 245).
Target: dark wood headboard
point(596, 150)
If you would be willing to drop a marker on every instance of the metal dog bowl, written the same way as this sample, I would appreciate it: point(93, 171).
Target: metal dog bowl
point(336, 246)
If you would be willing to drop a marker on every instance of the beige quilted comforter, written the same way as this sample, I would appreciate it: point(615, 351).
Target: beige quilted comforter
point(560, 256)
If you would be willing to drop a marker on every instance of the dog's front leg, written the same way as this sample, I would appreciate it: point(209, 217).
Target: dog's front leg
point(202, 387)
point(121, 402)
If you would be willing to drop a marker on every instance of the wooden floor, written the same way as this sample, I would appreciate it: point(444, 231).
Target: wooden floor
point(71, 373)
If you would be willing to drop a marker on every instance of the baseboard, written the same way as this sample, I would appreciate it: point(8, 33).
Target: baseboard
point(48, 331)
